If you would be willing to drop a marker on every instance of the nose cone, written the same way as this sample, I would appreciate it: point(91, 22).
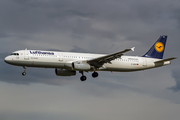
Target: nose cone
point(7, 59)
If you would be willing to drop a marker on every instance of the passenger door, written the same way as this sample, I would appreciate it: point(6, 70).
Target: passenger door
point(26, 54)
point(60, 57)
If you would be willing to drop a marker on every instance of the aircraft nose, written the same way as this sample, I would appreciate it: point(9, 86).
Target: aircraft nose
point(7, 59)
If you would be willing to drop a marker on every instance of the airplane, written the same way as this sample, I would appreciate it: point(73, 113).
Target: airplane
point(67, 63)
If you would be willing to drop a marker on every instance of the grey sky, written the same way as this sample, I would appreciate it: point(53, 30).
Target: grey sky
point(97, 26)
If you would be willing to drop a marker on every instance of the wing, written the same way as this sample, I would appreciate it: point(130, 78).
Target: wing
point(100, 61)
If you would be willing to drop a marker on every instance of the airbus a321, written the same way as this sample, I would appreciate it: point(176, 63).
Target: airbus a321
point(67, 63)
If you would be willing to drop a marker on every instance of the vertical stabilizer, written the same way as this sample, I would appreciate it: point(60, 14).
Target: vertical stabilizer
point(157, 50)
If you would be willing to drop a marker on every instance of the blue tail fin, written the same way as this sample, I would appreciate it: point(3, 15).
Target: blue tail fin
point(157, 50)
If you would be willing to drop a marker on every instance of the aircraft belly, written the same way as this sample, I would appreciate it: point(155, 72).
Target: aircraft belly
point(47, 64)
point(44, 64)
point(123, 66)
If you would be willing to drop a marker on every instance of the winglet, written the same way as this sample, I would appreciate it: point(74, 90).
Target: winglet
point(132, 48)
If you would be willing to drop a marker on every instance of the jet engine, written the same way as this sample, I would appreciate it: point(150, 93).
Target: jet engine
point(81, 66)
point(64, 72)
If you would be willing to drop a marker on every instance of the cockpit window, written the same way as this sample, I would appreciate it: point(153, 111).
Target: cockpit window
point(15, 54)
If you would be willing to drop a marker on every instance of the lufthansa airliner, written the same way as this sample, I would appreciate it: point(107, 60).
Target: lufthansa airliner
point(67, 63)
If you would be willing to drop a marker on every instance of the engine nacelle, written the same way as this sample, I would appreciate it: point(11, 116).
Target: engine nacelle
point(81, 66)
point(64, 72)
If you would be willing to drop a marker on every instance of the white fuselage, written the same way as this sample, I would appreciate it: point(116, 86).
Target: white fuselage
point(53, 59)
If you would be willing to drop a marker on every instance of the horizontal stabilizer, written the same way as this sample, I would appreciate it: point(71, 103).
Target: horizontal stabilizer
point(164, 60)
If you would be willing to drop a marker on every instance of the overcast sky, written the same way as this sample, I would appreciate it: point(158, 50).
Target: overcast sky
point(97, 26)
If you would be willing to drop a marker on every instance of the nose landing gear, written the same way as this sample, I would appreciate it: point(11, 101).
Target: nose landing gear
point(24, 73)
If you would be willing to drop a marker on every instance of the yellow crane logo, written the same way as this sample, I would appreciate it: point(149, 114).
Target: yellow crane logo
point(159, 47)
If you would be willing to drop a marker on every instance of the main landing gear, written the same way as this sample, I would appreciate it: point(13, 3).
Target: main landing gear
point(24, 73)
point(95, 74)
point(83, 78)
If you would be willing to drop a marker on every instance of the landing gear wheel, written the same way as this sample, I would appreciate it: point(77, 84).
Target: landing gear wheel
point(95, 74)
point(24, 73)
point(83, 78)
